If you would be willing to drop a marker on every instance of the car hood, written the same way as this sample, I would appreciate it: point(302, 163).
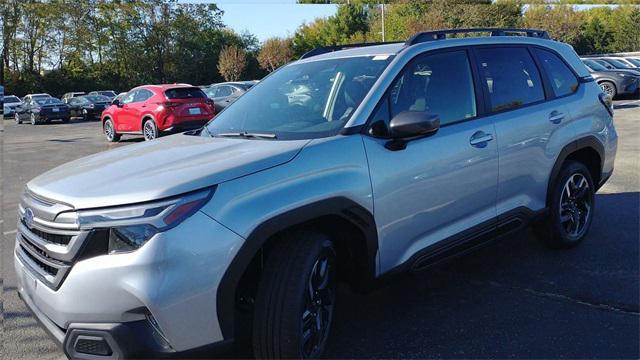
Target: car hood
point(160, 168)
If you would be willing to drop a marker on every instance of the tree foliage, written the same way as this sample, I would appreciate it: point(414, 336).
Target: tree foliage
point(232, 63)
point(274, 53)
point(66, 45)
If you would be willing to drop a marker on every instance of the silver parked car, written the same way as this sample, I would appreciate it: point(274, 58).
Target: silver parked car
point(10, 104)
point(396, 157)
point(226, 93)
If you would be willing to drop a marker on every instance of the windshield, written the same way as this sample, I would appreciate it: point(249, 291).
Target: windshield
point(595, 66)
point(48, 101)
point(97, 98)
point(635, 62)
point(11, 99)
point(302, 101)
point(619, 64)
point(107, 93)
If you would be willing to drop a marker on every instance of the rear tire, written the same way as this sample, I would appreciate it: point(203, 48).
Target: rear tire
point(295, 297)
point(149, 130)
point(571, 209)
point(17, 119)
point(609, 88)
point(110, 131)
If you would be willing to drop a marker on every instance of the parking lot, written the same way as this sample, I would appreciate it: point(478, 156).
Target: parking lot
point(514, 298)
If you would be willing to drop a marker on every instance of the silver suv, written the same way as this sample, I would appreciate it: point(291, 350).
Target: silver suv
point(352, 164)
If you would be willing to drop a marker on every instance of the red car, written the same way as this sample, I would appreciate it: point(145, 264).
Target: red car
point(150, 110)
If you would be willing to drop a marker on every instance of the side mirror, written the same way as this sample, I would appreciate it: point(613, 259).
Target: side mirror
point(409, 125)
point(116, 102)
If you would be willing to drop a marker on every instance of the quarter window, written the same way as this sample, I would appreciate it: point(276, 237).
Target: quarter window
point(563, 81)
point(440, 84)
point(511, 77)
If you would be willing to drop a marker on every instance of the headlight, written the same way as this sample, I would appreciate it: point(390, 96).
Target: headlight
point(132, 226)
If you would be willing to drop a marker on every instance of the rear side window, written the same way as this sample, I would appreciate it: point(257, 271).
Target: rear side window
point(142, 95)
point(510, 76)
point(563, 81)
point(185, 93)
point(436, 83)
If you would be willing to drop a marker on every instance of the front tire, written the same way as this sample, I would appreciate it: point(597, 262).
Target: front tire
point(295, 298)
point(149, 130)
point(33, 119)
point(110, 131)
point(571, 209)
point(17, 119)
point(609, 88)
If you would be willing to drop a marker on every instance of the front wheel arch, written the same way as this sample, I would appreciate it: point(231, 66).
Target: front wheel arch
point(317, 216)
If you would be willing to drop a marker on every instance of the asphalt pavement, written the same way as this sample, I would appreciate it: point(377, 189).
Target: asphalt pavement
point(512, 299)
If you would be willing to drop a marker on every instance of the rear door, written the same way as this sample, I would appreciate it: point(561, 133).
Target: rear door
point(532, 125)
point(438, 186)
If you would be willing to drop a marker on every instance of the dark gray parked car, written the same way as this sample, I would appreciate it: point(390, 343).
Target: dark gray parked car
point(224, 94)
point(613, 82)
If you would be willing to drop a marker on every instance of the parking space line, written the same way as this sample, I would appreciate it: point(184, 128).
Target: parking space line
point(10, 232)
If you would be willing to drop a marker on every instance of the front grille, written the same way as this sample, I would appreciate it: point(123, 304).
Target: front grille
point(48, 238)
point(52, 238)
point(47, 268)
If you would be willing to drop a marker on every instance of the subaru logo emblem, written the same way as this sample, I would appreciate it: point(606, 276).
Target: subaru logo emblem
point(28, 217)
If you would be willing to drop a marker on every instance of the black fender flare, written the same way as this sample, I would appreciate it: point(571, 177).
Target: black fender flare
point(589, 141)
point(343, 207)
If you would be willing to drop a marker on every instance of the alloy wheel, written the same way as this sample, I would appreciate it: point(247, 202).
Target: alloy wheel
point(108, 130)
point(575, 205)
point(318, 310)
point(607, 89)
point(149, 130)
point(33, 119)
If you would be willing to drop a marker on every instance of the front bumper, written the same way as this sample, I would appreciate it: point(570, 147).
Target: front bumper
point(172, 279)
point(631, 86)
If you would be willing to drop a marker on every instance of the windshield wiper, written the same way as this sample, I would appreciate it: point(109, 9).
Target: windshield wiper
point(248, 135)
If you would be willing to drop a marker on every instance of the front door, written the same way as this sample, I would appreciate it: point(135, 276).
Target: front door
point(437, 186)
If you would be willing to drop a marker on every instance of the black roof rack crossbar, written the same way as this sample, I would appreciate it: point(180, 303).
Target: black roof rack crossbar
point(442, 34)
point(328, 49)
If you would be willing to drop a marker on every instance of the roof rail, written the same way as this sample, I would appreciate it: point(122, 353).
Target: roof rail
point(328, 49)
point(442, 34)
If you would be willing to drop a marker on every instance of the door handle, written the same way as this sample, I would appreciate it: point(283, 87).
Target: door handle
point(556, 117)
point(480, 139)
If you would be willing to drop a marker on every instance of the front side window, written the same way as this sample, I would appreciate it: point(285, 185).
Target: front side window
point(440, 84)
point(129, 97)
point(563, 81)
point(302, 100)
point(510, 76)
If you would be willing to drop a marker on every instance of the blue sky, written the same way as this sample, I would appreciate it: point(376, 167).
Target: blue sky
point(269, 18)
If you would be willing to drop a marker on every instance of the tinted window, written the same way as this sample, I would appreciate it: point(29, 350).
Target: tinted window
point(142, 95)
point(440, 84)
point(511, 77)
point(223, 91)
point(185, 93)
point(11, 99)
point(562, 79)
point(97, 98)
point(128, 97)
